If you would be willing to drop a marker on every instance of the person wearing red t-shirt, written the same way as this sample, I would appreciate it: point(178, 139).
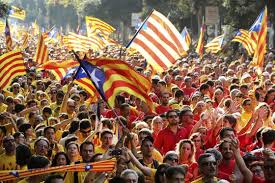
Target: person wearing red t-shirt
point(168, 137)
point(164, 107)
point(227, 166)
point(188, 89)
point(187, 120)
point(156, 126)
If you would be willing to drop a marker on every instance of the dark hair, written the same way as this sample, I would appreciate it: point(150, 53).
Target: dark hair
point(170, 111)
point(86, 143)
point(52, 177)
point(172, 170)
point(184, 111)
point(74, 126)
point(245, 101)
point(210, 83)
point(47, 128)
point(123, 106)
point(161, 171)
point(54, 161)
point(233, 86)
point(17, 134)
point(23, 154)
point(245, 86)
point(108, 123)
point(268, 136)
point(249, 158)
point(37, 161)
point(203, 156)
point(147, 138)
point(117, 179)
point(231, 119)
point(204, 86)
point(179, 93)
point(47, 110)
point(18, 108)
point(84, 124)
point(83, 115)
point(217, 154)
point(223, 130)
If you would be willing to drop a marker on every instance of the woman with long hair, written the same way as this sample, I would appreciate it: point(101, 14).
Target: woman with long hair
point(186, 151)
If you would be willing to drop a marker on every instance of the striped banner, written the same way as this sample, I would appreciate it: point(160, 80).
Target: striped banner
point(42, 54)
point(100, 166)
point(158, 41)
point(95, 25)
point(200, 45)
point(243, 37)
point(11, 66)
point(215, 45)
point(17, 13)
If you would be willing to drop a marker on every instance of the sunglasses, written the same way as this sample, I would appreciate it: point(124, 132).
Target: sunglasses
point(173, 159)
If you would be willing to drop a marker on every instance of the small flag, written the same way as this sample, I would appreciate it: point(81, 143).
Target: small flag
point(17, 13)
point(200, 45)
point(215, 45)
point(186, 38)
point(42, 54)
point(8, 36)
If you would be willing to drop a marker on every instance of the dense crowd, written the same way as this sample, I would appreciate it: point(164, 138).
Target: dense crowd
point(212, 121)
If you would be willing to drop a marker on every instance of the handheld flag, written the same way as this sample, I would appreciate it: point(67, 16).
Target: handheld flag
point(42, 54)
point(186, 38)
point(95, 25)
point(260, 26)
point(17, 13)
point(8, 36)
point(243, 37)
point(158, 41)
point(200, 44)
point(215, 45)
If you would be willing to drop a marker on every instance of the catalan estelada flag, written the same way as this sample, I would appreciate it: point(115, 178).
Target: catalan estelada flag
point(8, 36)
point(186, 38)
point(200, 45)
point(215, 45)
point(158, 41)
point(260, 27)
point(112, 77)
point(18, 13)
point(11, 66)
point(41, 55)
point(243, 37)
point(95, 25)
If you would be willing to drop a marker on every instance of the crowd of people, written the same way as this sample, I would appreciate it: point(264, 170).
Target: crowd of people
point(212, 121)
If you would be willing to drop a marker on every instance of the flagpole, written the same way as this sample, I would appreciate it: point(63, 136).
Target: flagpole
point(140, 28)
point(103, 97)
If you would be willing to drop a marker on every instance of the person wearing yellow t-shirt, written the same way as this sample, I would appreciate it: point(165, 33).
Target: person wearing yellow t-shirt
point(106, 138)
point(246, 113)
point(7, 159)
point(49, 133)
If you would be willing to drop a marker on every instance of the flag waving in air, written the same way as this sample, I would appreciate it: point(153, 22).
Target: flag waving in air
point(243, 37)
point(215, 45)
point(11, 66)
point(42, 54)
point(200, 45)
point(158, 41)
point(95, 25)
point(186, 38)
point(111, 77)
point(17, 13)
point(259, 33)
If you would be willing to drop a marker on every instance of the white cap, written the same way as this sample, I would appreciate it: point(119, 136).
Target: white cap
point(246, 75)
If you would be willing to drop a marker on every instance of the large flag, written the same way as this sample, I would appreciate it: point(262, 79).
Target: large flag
point(8, 36)
point(158, 41)
point(200, 43)
point(260, 26)
point(11, 66)
point(95, 25)
point(186, 38)
point(42, 55)
point(243, 37)
point(215, 45)
point(112, 77)
point(17, 13)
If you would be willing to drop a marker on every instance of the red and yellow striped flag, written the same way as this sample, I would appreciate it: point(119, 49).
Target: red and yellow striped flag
point(95, 25)
point(243, 37)
point(8, 36)
point(258, 59)
point(200, 45)
point(25, 41)
point(11, 66)
point(42, 54)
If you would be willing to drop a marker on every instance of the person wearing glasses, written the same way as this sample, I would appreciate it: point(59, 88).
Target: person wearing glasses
point(168, 137)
